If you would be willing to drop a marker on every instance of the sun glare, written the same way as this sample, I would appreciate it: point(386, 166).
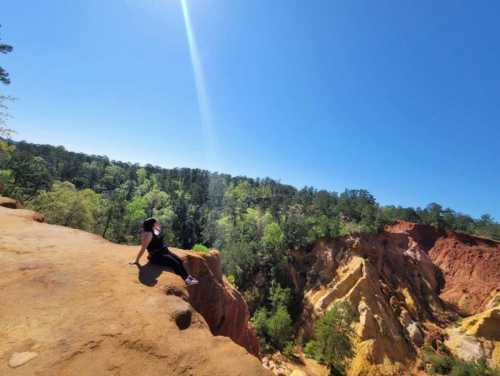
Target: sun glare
point(201, 88)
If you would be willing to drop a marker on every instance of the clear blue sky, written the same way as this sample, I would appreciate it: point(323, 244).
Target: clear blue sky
point(399, 97)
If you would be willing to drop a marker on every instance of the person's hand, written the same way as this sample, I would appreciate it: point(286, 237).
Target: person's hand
point(134, 263)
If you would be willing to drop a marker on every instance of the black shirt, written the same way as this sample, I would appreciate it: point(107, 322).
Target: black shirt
point(156, 244)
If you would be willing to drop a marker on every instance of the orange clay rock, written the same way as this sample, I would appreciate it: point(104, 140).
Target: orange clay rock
point(71, 305)
point(406, 283)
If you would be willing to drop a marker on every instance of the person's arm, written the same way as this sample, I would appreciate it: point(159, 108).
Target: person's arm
point(146, 239)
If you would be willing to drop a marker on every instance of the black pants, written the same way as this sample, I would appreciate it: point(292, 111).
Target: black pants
point(168, 259)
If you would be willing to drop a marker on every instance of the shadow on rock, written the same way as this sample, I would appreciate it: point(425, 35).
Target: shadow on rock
point(149, 273)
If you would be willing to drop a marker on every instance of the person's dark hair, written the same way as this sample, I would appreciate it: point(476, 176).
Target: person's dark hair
point(148, 224)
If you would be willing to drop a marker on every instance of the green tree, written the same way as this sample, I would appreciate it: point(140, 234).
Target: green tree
point(29, 174)
point(6, 152)
point(237, 199)
point(273, 238)
point(332, 344)
point(114, 176)
point(279, 327)
point(433, 215)
point(115, 207)
point(4, 75)
point(259, 320)
point(155, 200)
point(274, 326)
point(135, 213)
point(279, 296)
point(296, 228)
point(65, 205)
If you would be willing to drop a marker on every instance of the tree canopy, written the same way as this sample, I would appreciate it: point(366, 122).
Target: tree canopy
point(4, 75)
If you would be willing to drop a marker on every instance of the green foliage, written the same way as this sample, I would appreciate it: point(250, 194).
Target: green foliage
point(273, 237)
point(259, 322)
point(446, 364)
point(332, 343)
point(198, 247)
point(253, 297)
point(6, 152)
point(215, 209)
point(279, 327)
point(311, 351)
point(274, 325)
point(440, 364)
point(6, 180)
point(289, 349)
point(136, 211)
point(28, 175)
point(296, 228)
point(241, 260)
point(4, 76)
point(67, 206)
point(230, 278)
point(279, 296)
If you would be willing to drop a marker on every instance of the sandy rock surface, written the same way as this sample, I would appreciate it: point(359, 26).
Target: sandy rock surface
point(71, 298)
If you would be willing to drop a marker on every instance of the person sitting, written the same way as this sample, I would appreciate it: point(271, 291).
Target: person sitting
point(159, 254)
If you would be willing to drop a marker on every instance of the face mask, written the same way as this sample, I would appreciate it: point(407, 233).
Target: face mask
point(156, 231)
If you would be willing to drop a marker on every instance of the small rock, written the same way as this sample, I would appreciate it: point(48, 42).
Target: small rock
point(19, 359)
point(38, 217)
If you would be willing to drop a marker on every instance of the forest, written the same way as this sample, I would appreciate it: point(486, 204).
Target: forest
point(253, 222)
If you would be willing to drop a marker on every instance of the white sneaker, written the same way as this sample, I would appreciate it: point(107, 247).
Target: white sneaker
point(190, 281)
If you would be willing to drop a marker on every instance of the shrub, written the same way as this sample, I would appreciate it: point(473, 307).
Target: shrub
point(311, 351)
point(67, 206)
point(448, 365)
point(259, 320)
point(200, 248)
point(289, 349)
point(441, 364)
point(279, 296)
point(231, 279)
point(274, 326)
point(279, 327)
point(332, 344)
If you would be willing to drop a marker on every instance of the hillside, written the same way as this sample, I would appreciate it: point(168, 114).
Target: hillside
point(71, 305)
point(413, 286)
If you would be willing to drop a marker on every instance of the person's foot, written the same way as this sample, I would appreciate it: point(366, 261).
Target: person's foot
point(190, 281)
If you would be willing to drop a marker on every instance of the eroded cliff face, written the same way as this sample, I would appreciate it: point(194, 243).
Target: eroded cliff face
point(71, 305)
point(408, 284)
point(220, 304)
point(478, 336)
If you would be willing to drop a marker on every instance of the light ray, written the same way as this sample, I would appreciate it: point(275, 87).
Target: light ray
point(201, 88)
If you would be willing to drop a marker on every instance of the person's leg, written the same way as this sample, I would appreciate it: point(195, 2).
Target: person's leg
point(179, 260)
point(175, 263)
